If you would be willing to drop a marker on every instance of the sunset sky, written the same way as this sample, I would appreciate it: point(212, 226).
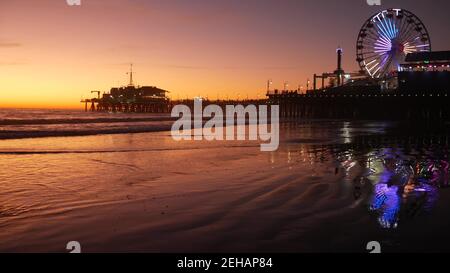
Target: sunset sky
point(52, 55)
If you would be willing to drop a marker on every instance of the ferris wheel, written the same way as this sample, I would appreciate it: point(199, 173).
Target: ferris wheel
point(386, 38)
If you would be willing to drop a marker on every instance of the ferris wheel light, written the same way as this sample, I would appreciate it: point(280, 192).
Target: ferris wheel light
point(418, 46)
point(397, 11)
point(385, 40)
point(376, 71)
point(370, 62)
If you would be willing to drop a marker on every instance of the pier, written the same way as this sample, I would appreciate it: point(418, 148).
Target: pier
point(130, 99)
point(419, 90)
point(364, 105)
point(96, 105)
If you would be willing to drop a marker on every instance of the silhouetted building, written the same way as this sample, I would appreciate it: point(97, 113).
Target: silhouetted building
point(425, 72)
point(132, 94)
point(131, 98)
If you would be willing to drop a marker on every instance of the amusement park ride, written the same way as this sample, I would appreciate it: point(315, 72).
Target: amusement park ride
point(387, 38)
point(398, 70)
point(383, 43)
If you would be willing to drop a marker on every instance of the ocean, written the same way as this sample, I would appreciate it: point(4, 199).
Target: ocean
point(20, 123)
point(119, 182)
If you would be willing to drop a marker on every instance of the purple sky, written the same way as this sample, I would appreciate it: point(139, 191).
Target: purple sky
point(52, 54)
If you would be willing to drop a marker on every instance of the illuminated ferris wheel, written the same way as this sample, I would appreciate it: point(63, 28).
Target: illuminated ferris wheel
point(386, 38)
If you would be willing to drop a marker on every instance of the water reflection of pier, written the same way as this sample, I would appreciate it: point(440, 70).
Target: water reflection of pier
point(398, 178)
point(157, 106)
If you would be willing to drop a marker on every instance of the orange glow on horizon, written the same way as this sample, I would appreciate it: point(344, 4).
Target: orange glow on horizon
point(53, 55)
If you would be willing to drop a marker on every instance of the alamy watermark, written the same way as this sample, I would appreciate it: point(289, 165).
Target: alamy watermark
point(373, 2)
point(73, 2)
point(191, 126)
point(374, 247)
point(74, 247)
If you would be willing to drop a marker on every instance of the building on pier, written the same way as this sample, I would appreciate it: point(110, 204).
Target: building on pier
point(400, 77)
point(130, 98)
point(425, 71)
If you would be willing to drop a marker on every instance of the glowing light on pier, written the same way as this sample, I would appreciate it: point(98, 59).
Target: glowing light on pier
point(387, 38)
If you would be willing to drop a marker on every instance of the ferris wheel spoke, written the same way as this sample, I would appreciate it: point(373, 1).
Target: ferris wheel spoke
point(376, 71)
point(409, 41)
point(397, 24)
point(404, 25)
point(383, 35)
point(375, 34)
point(381, 31)
point(372, 38)
point(411, 35)
point(374, 68)
point(387, 66)
point(369, 44)
point(416, 39)
point(386, 38)
point(415, 46)
point(373, 55)
point(406, 28)
point(371, 62)
point(400, 27)
point(409, 30)
point(382, 64)
point(384, 29)
point(412, 40)
point(393, 28)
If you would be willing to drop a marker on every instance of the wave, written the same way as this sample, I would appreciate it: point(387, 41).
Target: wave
point(82, 151)
point(19, 134)
point(7, 122)
point(105, 151)
point(22, 129)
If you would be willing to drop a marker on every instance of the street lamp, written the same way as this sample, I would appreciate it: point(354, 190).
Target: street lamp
point(269, 83)
point(286, 85)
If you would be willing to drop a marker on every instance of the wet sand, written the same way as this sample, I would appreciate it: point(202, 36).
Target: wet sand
point(147, 193)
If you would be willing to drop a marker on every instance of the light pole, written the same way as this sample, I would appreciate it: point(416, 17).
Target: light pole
point(269, 83)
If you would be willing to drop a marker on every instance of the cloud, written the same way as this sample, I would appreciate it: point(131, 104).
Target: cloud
point(9, 44)
point(122, 64)
point(241, 67)
point(199, 67)
point(189, 67)
point(12, 63)
point(281, 67)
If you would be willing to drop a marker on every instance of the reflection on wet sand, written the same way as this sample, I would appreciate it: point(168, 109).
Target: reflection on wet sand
point(397, 177)
point(332, 186)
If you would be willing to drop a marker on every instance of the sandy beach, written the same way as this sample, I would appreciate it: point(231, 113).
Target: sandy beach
point(147, 193)
point(189, 128)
